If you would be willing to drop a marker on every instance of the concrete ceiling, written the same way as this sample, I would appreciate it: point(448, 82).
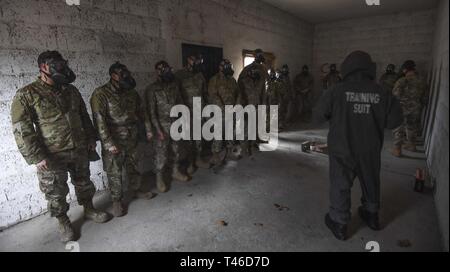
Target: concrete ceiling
point(319, 11)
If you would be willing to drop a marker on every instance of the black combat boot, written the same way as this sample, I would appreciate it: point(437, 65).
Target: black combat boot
point(339, 230)
point(371, 219)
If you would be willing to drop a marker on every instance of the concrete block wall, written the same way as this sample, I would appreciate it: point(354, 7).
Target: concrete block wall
point(236, 25)
point(91, 36)
point(391, 38)
point(438, 114)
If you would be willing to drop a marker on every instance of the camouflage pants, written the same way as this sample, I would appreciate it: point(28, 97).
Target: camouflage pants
point(53, 182)
point(407, 132)
point(114, 164)
point(167, 152)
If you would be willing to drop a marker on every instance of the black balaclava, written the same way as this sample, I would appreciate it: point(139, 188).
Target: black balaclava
point(126, 80)
point(390, 69)
point(197, 66)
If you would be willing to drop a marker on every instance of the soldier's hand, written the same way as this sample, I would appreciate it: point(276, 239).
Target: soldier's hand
point(161, 136)
point(149, 136)
point(92, 146)
point(42, 166)
point(114, 150)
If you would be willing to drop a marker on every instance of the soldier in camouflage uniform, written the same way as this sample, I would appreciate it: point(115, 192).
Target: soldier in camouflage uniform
point(303, 89)
point(332, 78)
point(388, 79)
point(223, 90)
point(53, 131)
point(286, 106)
point(412, 92)
point(116, 109)
point(193, 84)
point(252, 85)
point(160, 97)
point(276, 93)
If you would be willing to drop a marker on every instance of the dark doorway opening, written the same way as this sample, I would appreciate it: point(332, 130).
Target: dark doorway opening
point(212, 56)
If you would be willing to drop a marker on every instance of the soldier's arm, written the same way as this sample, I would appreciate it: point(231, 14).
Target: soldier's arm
point(99, 113)
point(151, 120)
point(91, 134)
point(212, 92)
point(324, 108)
point(394, 113)
point(397, 91)
point(27, 139)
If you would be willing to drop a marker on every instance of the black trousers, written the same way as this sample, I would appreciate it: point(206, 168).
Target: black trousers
point(366, 167)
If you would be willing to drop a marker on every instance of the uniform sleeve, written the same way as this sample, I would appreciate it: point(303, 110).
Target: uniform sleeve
point(394, 116)
point(324, 108)
point(99, 112)
point(212, 93)
point(398, 88)
point(86, 121)
point(27, 139)
point(151, 120)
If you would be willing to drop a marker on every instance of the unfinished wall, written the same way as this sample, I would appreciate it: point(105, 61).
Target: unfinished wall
point(437, 125)
point(390, 38)
point(236, 25)
point(92, 36)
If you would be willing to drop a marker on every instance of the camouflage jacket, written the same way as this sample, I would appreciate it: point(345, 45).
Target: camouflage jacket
point(192, 85)
point(223, 90)
point(252, 91)
point(116, 115)
point(388, 81)
point(160, 97)
point(303, 84)
point(331, 80)
point(276, 92)
point(412, 92)
point(49, 120)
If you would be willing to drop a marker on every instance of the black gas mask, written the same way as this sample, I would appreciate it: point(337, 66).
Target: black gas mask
point(126, 81)
point(165, 73)
point(259, 56)
point(390, 69)
point(197, 67)
point(333, 68)
point(305, 70)
point(285, 71)
point(60, 72)
point(272, 75)
point(227, 68)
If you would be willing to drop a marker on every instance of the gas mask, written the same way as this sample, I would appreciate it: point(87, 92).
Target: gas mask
point(165, 73)
point(227, 68)
point(272, 75)
point(60, 72)
point(332, 68)
point(305, 70)
point(390, 69)
point(259, 56)
point(197, 67)
point(126, 81)
point(285, 71)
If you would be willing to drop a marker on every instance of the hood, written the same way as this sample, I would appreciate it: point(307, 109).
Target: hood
point(361, 62)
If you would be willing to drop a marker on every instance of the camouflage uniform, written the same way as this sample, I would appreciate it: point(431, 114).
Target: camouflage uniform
point(276, 93)
point(252, 92)
point(387, 80)
point(53, 124)
point(222, 91)
point(412, 92)
point(160, 97)
point(331, 79)
point(192, 85)
point(303, 90)
point(116, 116)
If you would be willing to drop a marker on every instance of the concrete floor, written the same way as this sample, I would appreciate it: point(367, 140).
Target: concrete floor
point(246, 195)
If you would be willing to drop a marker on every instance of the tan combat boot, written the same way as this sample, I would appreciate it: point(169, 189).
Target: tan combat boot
point(191, 169)
point(143, 195)
point(162, 186)
point(118, 209)
point(397, 151)
point(95, 215)
point(177, 175)
point(65, 228)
